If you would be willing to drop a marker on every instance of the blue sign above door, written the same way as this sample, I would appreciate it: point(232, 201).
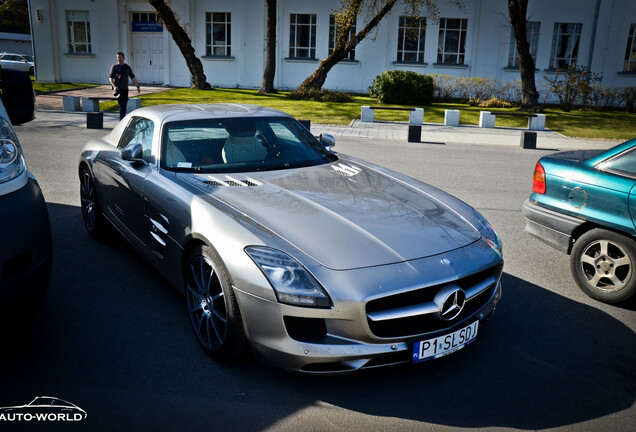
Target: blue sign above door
point(146, 26)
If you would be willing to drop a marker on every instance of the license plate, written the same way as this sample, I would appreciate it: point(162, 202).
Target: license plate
point(444, 345)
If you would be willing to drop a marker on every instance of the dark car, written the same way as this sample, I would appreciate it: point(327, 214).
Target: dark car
point(16, 92)
point(25, 252)
point(583, 203)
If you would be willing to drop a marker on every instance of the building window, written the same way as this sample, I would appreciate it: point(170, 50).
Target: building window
point(411, 37)
point(630, 51)
point(145, 17)
point(565, 45)
point(532, 34)
point(218, 34)
point(451, 46)
point(334, 33)
point(78, 28)
point(302, 36)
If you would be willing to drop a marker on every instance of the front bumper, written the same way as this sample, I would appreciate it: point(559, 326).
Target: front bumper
point(344, 338)
point(551, 227)
point(25, 255)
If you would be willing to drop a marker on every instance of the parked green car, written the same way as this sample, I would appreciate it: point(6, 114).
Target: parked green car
point(583, 203)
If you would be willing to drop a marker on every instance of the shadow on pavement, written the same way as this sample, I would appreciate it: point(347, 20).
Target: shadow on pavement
point(112, 337)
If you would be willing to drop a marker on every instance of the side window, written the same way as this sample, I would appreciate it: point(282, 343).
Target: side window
point(623, 164)
point(139, 130)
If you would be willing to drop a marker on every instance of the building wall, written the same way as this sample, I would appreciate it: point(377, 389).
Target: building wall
point(17, 43)
point(487, 43)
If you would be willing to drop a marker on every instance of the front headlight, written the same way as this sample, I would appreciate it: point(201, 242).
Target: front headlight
point(11, 160)
point(489, 233)
point(292, 283)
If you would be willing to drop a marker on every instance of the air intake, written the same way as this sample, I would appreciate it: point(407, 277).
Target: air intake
point(231, 182)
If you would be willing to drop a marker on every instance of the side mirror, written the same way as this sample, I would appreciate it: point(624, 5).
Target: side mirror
point(133, 152)
point(327, 140)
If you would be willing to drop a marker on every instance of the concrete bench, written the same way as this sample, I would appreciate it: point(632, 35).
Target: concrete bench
point(451, 117)
point(416, 116)
point(133, 104)
point(91, 104)
point(535, 121)
point(71, 103)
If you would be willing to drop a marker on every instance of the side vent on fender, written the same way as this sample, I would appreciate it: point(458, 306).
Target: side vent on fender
point(346, 170)
point(231, 182)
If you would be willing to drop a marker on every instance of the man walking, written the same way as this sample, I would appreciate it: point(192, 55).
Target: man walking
point(120, 72)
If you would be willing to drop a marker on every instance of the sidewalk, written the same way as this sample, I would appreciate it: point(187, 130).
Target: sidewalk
point(50, 113)
point(53, 101)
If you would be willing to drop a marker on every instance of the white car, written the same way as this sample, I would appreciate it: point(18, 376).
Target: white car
point(20, 62)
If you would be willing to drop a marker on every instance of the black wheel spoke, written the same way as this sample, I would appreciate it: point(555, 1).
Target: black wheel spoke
point(206, 303)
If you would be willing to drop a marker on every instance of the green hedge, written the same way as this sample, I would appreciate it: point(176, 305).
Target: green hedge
point(402, 87)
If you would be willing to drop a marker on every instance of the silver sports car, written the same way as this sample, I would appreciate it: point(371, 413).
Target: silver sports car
point(316, 261)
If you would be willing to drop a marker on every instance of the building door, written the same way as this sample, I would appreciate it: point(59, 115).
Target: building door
point(147, 37)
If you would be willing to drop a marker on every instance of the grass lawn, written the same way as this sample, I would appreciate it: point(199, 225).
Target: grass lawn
point(55, 87)
point(580, 124)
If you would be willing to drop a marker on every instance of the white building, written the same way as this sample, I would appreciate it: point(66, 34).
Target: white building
point(76, 41)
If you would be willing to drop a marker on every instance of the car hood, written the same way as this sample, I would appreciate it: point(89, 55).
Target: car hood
point(343, 215)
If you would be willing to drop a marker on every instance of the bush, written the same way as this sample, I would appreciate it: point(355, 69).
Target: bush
point(490, 103)
point(604, 98)
point(320, 95)
point(628, 94)
point(572, 85)
point(402, 87)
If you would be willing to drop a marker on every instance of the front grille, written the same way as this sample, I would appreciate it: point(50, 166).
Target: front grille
point(305, 329)
point(419, 324)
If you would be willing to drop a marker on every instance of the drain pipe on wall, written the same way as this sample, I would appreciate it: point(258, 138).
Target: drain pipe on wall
point(592, 42)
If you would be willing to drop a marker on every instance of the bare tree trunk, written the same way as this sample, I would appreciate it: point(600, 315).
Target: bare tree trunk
point(267, 85)
point(184, 43)
point(517, 10)
point(344, 44)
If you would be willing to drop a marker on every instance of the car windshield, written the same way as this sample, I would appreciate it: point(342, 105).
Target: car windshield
point(240, 145)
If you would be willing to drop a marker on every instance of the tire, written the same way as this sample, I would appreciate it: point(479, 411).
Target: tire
point(212, 309)
point(602, 263)
point(94, 219)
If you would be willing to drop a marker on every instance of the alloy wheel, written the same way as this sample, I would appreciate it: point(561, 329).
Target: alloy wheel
point(89, 204)
point(606, 265)
point(206, 303)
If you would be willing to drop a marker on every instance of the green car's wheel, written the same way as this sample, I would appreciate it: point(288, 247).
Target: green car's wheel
point(602, 263)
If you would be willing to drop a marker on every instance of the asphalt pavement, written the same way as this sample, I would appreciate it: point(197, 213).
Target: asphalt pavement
point(113, 337)
point(51, 112)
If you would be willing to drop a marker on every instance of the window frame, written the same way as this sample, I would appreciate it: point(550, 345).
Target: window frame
point(629, 63)
point(146, 131)
point(571, 57)
point(71, 23)
point(406, 25)
point(295, 29)
point(444, 32)
point(533, 30)
point(212, 44)
point(608, 167)
point(333, 34)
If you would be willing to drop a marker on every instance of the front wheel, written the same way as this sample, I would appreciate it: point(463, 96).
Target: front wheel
point(602, 263)
point(212, 308)
point(94, 220)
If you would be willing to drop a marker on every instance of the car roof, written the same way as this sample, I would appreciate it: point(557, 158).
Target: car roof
point(180, 112)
